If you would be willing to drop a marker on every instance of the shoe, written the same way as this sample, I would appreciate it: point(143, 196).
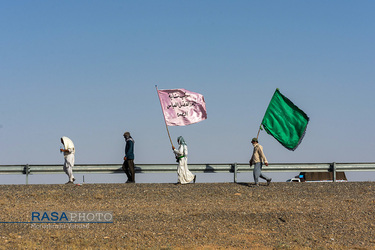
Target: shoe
point(269, 181)
point(69, 182)
point(195, 178)
point(74, 179)
point(128, 181)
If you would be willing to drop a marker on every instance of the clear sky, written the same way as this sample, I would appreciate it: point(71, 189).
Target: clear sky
point(88, 70)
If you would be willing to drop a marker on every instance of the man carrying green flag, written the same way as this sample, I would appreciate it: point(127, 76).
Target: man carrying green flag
point(285, 121)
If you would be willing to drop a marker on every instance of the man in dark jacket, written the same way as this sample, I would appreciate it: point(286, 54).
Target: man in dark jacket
point(128, 165)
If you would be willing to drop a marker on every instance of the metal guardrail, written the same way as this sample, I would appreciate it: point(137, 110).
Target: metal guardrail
point(234, 168)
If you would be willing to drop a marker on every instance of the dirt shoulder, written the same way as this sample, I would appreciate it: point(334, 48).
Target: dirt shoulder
point(206, 216)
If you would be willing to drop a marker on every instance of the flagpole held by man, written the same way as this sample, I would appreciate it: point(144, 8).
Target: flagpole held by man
point(165, 121)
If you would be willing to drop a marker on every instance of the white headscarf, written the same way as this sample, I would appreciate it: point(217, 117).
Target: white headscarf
point(68, 144)
point(181, 140)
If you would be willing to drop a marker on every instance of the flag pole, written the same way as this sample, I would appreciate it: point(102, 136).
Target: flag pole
point(260, 127)
point(165, 121)
point(259, 131)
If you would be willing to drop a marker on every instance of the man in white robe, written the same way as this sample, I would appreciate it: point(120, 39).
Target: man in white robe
point(69, 152)
point(184, 175)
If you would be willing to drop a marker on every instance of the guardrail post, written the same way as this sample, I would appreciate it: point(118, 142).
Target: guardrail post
point(26, 170)
point(235, 172)
point(334, 171)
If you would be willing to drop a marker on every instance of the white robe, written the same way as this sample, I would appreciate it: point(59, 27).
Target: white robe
point(69, 157)
point(184, 175)
point(68, 166)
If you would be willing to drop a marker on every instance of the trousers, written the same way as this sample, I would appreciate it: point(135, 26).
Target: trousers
point(257, 172)
point(128, 167)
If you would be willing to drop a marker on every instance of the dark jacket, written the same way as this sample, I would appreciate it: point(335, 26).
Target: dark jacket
point(129, 149)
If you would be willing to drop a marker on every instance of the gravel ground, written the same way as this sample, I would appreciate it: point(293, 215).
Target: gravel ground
point(200, 216)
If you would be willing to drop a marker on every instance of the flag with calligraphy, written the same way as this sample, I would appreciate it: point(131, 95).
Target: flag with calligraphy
point(285, 121)
point(182, 107)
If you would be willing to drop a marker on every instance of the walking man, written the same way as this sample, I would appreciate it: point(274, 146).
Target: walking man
point(257, 159)
point(128, 165)
point(69, 152)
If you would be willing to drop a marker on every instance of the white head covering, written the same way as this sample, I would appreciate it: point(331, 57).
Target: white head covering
point(181, 140)
point(68, 144)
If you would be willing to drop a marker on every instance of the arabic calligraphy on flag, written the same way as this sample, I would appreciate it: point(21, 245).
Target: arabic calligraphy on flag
point(182, 107)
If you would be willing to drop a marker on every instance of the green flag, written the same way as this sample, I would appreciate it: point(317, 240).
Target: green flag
point(285, 121)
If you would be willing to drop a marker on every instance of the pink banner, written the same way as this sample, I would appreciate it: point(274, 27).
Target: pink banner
point(182, 107)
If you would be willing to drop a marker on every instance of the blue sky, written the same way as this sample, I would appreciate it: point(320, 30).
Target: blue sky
point(88, 70)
